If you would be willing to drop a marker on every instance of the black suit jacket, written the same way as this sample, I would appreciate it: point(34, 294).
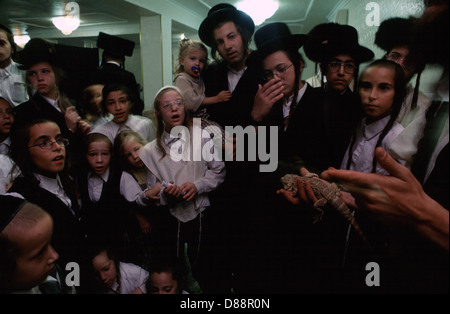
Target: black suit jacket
point(304, 140)
point(68, 234)
point(237, 110)
point(111, 73)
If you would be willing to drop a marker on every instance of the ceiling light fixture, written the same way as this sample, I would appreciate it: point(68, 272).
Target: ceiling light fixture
point(21, 40)
point(259, 10)
point(70, 22)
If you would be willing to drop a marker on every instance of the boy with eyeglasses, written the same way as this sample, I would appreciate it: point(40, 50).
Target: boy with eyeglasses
point(336, 49)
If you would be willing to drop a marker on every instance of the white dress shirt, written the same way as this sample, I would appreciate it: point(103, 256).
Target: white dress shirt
point(131, 277)
point(141, 125)
point(364, 148)
point(181, 168)
point(13, 86)
point(4, 146)
point(95, 184)
point(234, 77)
point(54, 186)
point(131, 190)
point(6, 165)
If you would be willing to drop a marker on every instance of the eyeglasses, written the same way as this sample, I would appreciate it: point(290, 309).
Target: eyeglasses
point(48, 145)
point(280, 71)
point(349, 68)
point(168, 106)
point(402, 61)
point(395, 57)
point(7, 111)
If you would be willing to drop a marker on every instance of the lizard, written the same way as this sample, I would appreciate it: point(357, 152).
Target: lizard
point(326, 194)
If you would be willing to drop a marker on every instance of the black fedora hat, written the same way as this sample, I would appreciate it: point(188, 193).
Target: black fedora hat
point(330, 39)
point(274, 37)
point(396, 32)
point(220, 13)
point(37, 50)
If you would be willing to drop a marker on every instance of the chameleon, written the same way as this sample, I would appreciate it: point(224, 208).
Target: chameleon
point(326, 194)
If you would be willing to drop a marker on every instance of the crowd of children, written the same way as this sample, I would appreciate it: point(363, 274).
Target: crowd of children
point(127, 199)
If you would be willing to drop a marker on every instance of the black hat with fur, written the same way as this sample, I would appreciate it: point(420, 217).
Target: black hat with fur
point(331, 39)
point(396, 32)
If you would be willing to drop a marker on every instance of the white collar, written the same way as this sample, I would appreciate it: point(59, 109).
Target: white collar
point(114, 62)
point(104, 176)
point(300, 94)
point(375, 128)
point(53, 102)
point(51, 184)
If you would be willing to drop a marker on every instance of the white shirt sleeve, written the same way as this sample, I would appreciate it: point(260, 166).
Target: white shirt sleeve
point(131, 190)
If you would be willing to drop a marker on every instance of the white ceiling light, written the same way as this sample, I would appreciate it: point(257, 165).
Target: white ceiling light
point(259, 10)
point(70, 22)
point(21, 40)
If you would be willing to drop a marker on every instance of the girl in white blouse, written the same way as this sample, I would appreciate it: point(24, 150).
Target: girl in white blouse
point(186, 182)
point(133, 187)
point(382, 88)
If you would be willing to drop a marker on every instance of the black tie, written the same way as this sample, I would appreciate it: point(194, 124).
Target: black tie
point(436, 116)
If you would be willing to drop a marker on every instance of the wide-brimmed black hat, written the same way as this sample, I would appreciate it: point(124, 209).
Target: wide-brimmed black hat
point(274, 37)
point(220, 13)
point(37, 50)
point(115, 46)
point(396, 32)
point(330, 39)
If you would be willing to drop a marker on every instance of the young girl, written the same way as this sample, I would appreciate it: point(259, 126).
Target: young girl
point(114, 276)
point(382, 88)
point(128, 144)
point(193, 60)
point(116, 101)
point(186, 182)
point(38, 149)
point(98, 182)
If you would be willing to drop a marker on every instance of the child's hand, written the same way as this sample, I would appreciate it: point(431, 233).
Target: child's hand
point(153, 192)
point(84, 127)
point(224, 95)
point(189, 191)
point(71, 117)
point(173, 190)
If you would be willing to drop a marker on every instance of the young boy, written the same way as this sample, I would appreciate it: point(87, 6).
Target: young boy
point(26, 255)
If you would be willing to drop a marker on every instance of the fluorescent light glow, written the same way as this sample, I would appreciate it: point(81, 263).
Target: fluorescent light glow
point(66, 24)
point(259, 10)
point(21, 40)
point(70, 22)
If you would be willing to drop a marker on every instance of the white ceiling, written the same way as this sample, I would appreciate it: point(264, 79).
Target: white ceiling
point(121, 18)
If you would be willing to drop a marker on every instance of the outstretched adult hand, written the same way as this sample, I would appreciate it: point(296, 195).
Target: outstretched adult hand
point(395, 199)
